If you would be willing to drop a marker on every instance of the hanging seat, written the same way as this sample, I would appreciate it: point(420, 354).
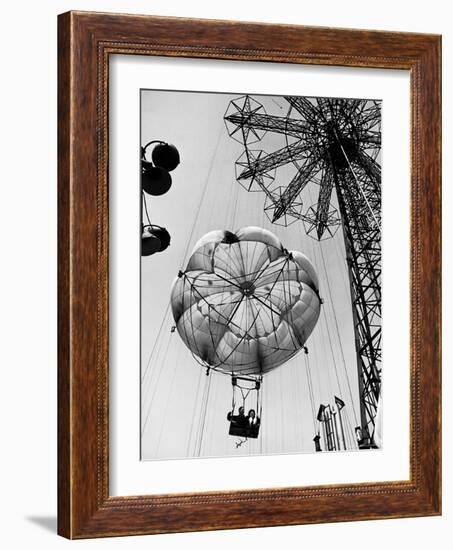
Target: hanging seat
point(241, 428)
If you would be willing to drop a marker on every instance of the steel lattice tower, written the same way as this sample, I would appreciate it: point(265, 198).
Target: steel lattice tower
point(336, 144)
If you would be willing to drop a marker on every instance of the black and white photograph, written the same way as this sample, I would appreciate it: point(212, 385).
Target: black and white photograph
point(230, 329)
point(260, 274)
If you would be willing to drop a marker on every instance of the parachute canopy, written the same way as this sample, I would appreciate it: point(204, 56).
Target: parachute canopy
point(245, 305)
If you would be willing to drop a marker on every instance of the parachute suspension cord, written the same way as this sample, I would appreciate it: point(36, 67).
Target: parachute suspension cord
point(202, 197)
point(329, 337)
point(157, 340)
point(193, 413)
point(320, 359)
point(326, 319)
point(203, 413)
point(282, 415)
point(260, 403)
point(244, 396)
point(261, 422)
point(234, 207)
point(310, 391)
point(339, 338)
point(348, 432)
point(210, 426)
point(161, 366)
point(173, 378)
point(354, 442)
point(341, 256)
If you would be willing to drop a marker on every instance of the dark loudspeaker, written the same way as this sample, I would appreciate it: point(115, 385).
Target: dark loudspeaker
point(155, 181)
point(150, 244)
point(165, 156)
point(163, 235)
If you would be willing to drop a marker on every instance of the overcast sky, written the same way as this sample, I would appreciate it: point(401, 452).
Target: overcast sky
point(183, 410)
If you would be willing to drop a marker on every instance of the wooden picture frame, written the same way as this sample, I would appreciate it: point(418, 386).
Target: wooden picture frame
point(85, 42)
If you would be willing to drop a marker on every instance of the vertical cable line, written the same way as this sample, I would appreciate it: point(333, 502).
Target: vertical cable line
point(339, 338)
point(155, 390)
point(173, 378)
point(158, 339)
point(192, 422)
point(203, 195)
point(203, 414)
point(338, 334)
point(310, 391)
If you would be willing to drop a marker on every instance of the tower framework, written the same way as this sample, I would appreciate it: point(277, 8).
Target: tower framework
point(336, 144)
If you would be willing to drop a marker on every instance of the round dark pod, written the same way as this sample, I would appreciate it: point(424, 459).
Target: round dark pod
point(150, 244)
point(163, 235)
point(165, 156)
point(155, 181)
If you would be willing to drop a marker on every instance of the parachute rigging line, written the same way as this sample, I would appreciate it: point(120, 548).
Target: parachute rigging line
point(351, 433)
point(330, 339)
point(338, 335)
point(342, 263)
point(203, 195)
point(282, 415)
point(310, 391)
point(192, 422)
point(229, 320)
point(158, 339)
point(341, 257)
point(173, 378)
point(203, 413)
point(325, 314)
point(156, 385)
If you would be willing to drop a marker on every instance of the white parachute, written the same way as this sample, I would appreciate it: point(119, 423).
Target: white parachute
point(244, 304)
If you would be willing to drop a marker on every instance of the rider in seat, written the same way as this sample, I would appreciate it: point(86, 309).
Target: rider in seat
point(244, 426)
point(241, 425)
point(239, 420)
point(253, 423)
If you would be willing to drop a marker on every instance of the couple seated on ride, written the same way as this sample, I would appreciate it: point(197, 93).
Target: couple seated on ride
point(249, 421)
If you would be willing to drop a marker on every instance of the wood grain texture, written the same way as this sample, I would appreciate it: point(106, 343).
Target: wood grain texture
point(85, 42)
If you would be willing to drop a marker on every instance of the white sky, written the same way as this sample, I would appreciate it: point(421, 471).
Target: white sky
point(206, 196)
